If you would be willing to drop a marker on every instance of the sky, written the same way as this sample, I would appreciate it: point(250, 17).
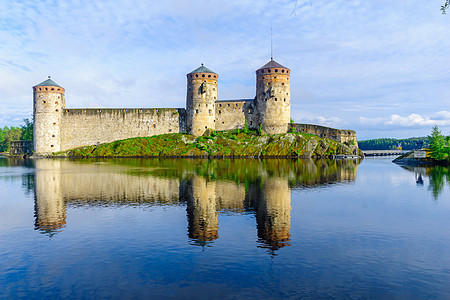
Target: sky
point(381, 67)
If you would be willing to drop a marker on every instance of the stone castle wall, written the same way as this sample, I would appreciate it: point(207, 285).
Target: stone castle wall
point(233, 114)
point(84, 127)
point(57, 128)
point(338, 135)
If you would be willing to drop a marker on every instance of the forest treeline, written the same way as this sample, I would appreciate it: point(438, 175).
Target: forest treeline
point(392, 144)
point(8, 134)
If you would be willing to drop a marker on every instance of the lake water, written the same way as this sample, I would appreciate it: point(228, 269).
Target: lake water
point(223, 229)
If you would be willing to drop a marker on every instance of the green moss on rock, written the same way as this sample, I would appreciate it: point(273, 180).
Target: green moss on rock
point(233, 143)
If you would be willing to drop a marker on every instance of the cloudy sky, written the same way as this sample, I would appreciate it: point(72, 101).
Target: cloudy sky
point(380, 67)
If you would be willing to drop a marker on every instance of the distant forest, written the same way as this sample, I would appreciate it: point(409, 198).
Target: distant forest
point(391, 144)
point(8, 134)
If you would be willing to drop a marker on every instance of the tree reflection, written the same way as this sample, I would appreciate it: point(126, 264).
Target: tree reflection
point(438, 177)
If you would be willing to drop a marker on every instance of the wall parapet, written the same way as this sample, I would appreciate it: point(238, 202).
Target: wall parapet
point(338, 135)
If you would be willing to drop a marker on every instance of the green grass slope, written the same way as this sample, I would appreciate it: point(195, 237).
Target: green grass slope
point(235, 143)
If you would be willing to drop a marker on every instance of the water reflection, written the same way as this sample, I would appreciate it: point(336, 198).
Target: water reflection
point(207, 188)
point(438, 177)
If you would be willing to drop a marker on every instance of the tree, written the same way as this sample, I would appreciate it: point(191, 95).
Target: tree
point(437, 144)
point(27, 130)
point(445, 7)
point(10, 134)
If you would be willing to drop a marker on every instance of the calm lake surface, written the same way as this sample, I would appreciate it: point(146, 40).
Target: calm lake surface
point(218, 229)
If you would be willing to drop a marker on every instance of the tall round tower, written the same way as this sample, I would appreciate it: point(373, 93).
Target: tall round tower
point(48, 105)
point(273, 99)
point(200, 99)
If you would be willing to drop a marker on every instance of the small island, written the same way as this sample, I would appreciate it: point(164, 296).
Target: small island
point(438, 153)
point(220, 144)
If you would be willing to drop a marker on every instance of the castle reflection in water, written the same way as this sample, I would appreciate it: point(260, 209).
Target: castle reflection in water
point(206, 187)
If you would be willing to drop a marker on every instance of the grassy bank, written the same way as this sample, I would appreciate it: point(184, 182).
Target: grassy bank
point(235, 143)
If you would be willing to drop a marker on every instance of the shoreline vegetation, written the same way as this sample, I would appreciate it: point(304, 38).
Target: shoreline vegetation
point(438, 152)
point(219, 144)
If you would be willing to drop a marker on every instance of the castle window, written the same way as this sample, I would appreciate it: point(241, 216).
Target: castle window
point(54, 123)
point(67, 110)
point(268, 83)
point(228, 105)
point(154, 125)
point(53, 135)
point(276, 99)
point(214, 97)
point(220, 105)
point(46, 89)
point(236, 105)
point(251, 123)
point(196, 75)
point(214, 89)
point(39, 88)
point(215, 76)
point(196, 111)
point(209, 76)
point(223, 122)
point(56, 102)
point(276, 70)
point(53, 89)
point(284, 99)
point(170, 130)
point(206, 127)
point(58, 91)
point(268, 71)
point(203, 75)
point(287, 94)
point(206, 105)
point(262, 71)
point(210, 111)
point(43, 101)
point(275, 77)
point(282, 83)
point(282, 71)
point(57, 110)
point(220, 112)
point(52, 146)
point(59, 97)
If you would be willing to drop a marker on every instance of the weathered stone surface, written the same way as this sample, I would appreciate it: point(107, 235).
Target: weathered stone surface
point(57, 128)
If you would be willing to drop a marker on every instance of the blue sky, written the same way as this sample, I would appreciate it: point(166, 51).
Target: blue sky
point(379, 67)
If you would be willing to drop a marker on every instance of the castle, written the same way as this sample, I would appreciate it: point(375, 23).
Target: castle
point(57, 128)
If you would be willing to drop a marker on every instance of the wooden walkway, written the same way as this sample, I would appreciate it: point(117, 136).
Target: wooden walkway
point(382, 152)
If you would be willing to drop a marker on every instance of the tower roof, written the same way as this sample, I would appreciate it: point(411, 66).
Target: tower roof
point(48, 82)
point(272, 64)
point(202, 69)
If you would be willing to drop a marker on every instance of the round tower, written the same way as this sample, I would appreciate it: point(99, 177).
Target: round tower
point(200, 100)
point(273, 99)
point(48, 105)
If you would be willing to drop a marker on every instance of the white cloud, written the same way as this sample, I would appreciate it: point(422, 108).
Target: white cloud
point(384, 60)
point(441, 118)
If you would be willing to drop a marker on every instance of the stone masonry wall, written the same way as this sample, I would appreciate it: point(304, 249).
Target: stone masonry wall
point(338, 135)
point(84, 127)
point(232, 114)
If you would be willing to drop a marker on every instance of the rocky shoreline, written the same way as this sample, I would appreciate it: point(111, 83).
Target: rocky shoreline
point(220, 144)
point(419, 158)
